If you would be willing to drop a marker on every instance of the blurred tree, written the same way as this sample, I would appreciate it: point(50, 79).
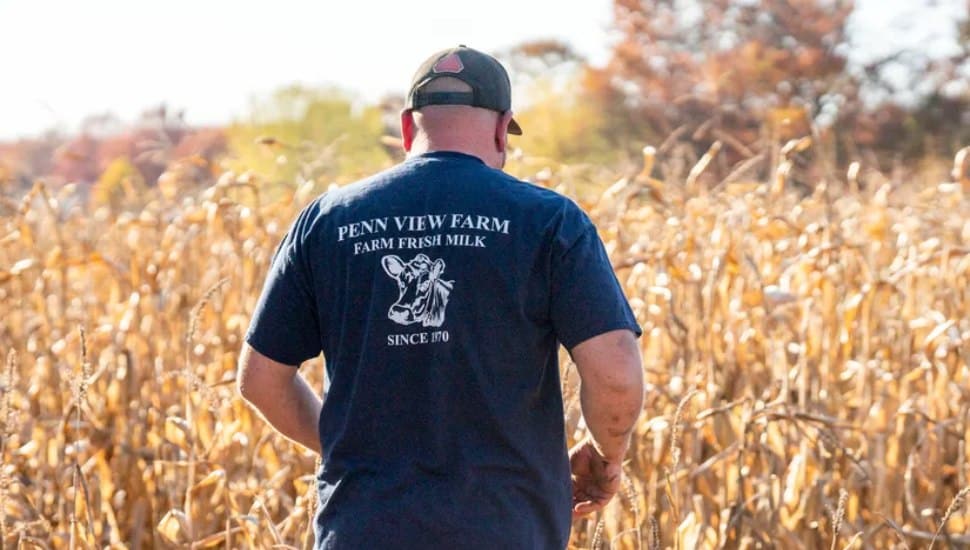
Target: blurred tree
point(753, 73)
point(390, 108)
point(148, 145)
point(207, 143)
point(569, 114)
point(719, 69)
point(540, 59)
point(917, 87)
point(102, 125)
point(564, 126)
point(76, 161)
point(301, 134)
point(25, 159)
point(154, 138)
point(194, 162)
point(120, 183)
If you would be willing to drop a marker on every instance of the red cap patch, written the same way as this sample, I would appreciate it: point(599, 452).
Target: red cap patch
point(449, 64)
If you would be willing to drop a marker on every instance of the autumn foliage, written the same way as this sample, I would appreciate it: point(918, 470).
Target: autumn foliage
point(750, 75)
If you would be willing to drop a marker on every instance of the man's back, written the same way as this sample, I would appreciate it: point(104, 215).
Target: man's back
point(439, 292)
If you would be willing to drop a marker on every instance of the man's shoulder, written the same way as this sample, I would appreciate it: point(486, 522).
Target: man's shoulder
point(541, 199)
point(474, 183)
point(339, 195)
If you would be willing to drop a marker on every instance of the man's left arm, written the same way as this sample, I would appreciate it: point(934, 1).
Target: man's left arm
point(281, 395)
point(284, 332)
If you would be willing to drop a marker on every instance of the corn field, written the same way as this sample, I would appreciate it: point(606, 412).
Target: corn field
point(805, 355)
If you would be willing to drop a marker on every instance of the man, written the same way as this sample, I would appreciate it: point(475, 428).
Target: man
point(438, 292)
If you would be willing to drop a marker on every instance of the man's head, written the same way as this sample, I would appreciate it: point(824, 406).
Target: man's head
point(459, 100)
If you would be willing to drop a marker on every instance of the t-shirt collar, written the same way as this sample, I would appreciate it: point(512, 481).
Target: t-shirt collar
point(447, 155)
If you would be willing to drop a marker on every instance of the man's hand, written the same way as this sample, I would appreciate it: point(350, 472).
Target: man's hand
point(595, 479)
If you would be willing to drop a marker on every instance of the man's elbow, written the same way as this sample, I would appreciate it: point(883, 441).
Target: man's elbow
point(632, 375)
point(626, 384)
point(245, 385)
point(631, 364)
point(625, 389)
point(252, 381)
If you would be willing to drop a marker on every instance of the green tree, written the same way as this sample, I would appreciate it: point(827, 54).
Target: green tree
point(561, 124)
point(301, 134)
point(567, 108)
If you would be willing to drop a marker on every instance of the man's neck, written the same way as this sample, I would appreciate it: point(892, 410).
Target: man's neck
point(430, 147)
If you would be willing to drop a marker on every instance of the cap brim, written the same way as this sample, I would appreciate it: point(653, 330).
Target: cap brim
point(514, 128)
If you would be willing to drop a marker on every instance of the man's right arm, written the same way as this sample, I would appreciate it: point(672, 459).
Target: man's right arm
point(611, 389)
point(593, 320)
point(611, 397)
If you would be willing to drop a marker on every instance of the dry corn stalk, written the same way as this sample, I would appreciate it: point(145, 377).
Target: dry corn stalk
point(828, 343)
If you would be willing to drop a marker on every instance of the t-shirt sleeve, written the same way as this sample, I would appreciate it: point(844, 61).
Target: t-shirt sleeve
point(587, 299)
point(285, 325)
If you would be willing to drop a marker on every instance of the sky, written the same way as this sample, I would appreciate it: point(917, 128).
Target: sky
point(61, 60)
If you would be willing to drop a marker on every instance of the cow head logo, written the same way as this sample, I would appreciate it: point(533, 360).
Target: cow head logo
point(423, 294)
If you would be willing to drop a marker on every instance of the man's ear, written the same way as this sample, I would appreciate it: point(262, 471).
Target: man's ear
point(502, 131)
point(407, 129)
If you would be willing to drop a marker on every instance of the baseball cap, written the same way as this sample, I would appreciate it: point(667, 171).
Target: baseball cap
point(490, 84)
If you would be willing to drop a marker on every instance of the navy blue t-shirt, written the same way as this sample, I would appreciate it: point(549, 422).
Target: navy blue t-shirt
point(439, 292)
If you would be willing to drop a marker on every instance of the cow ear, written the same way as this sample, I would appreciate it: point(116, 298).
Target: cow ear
point(422, 258)
point(437, 267)
point(392, 265)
